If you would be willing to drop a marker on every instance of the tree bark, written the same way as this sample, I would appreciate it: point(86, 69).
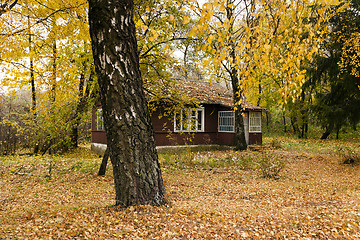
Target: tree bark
point(325, 134)
point(127, 122)
point(32, 81)
point(54, 63)
point(102, 169)
point(32, 75)
point(81, 106)
point(284, 120)
point(239, 138)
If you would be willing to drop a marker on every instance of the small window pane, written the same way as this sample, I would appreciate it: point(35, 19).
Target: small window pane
point(184, 120)
point(99, 120)
point(193, 120)
point(178, 121)
point(199, 120)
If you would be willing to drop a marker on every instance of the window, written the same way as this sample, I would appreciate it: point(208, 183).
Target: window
point(189, 120)
point(99, 120)
point(255, 122)
point(252, 121)
point(226, 121)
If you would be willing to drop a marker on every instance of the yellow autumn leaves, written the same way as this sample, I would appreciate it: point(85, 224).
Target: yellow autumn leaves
point(351, 55)
point(268, 41)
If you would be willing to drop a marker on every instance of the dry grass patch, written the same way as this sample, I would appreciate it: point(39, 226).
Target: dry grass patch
point(213, 196)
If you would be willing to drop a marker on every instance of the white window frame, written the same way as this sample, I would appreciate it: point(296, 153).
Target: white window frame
point(254, 122)
point(186, 114)
point(99, 120)
point(228, 120)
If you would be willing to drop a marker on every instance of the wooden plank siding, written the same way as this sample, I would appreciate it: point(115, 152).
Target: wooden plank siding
point(165, 135)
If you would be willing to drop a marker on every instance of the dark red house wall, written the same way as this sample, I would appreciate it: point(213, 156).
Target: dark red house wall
point(98, 137)
point(226, 138)
point(164, 135)
point(161, 124)
point(211, 118)
point(255, 138)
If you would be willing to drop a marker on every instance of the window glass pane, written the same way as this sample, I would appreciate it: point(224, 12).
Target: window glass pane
point(255, 122)
point(192, 120)
point(226, 121)
point(184, 120)
point(177, 121)
point(99, 120)
point(199, 120)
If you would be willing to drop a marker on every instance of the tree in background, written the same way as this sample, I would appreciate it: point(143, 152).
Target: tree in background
point(335, 75)
point(55, 64)
point(158, 31)
point(12, 127)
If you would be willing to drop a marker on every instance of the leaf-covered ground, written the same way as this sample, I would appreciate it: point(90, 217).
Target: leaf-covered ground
point(212, 195)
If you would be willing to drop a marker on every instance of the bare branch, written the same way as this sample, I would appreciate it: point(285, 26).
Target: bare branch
point(4, 7)
point(42, 20)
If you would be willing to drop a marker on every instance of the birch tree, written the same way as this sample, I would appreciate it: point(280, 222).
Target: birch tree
point(130, 137)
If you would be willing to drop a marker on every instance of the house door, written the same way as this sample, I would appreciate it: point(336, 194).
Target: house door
point(246, 126)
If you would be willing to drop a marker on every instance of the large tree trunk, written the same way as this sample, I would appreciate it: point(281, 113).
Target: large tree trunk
point(325, 134)
point(127, 122)
point(239, 139)
point(237, 83)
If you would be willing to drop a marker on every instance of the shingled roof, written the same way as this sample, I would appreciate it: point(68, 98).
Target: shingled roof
point(210, 93)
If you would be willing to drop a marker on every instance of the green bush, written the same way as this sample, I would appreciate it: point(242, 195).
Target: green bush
point(348, 155)
point(275, 144)
point(270, 165)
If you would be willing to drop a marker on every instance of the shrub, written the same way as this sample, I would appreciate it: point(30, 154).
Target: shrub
point(348, 155)
point(270, 165)
point(9, 137)
point(275, 144)
point(245, 162)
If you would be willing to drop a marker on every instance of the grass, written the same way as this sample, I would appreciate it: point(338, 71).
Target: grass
point(316, 146)
point(213, 195)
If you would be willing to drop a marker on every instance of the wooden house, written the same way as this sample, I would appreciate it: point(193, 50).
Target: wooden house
point(209, 122)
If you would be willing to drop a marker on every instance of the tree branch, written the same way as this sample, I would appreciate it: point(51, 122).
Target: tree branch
point(159, 43)
point(7, 6)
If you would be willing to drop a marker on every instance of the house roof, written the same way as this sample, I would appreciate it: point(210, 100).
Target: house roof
point(211, 93)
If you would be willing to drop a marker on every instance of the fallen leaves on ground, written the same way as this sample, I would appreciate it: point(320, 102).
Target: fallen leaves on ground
point(315, 197)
